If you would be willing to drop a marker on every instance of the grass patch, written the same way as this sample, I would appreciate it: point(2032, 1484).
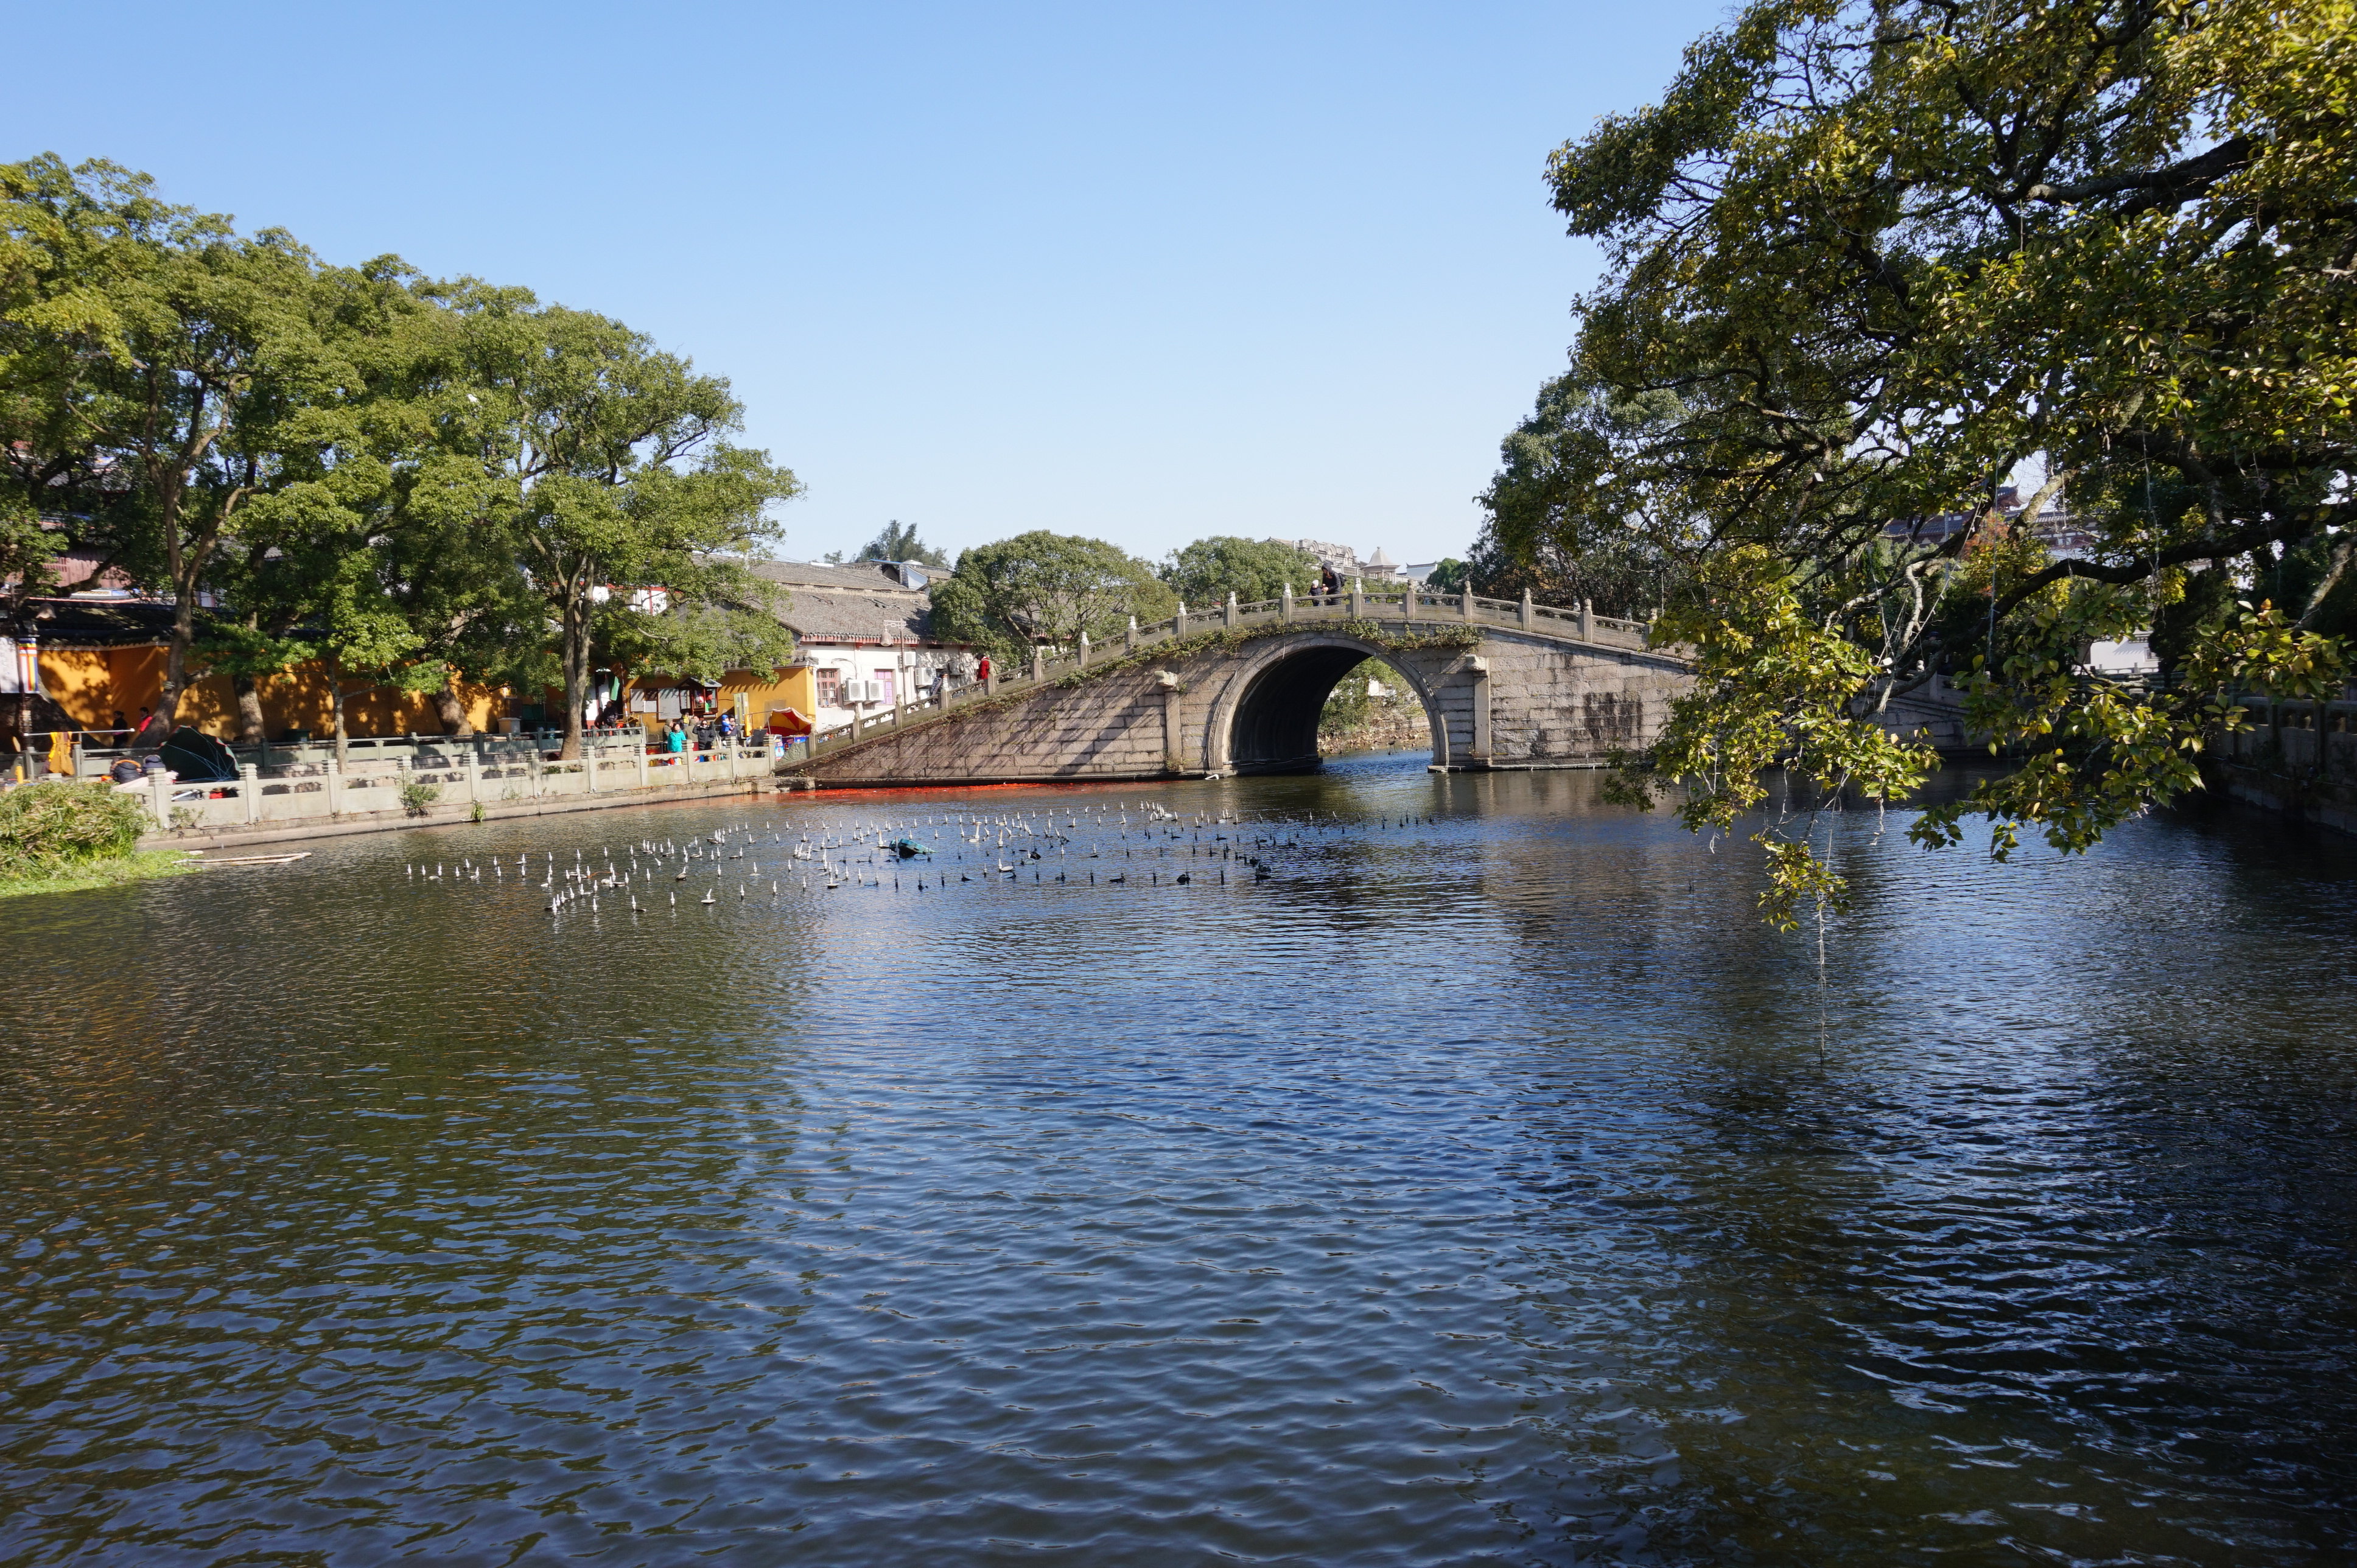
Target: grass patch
point(138, 866)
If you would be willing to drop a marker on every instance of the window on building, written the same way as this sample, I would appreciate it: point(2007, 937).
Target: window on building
point(830, 688)
point(884, 687)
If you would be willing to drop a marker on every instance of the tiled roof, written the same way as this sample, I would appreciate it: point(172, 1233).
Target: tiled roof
point(99, 623)
point(859, 575)
point(848, 604)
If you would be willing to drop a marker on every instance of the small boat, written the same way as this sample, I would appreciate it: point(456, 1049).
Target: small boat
point(909, 849)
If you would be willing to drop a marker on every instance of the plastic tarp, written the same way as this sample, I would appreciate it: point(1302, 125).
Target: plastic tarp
point(197, 756)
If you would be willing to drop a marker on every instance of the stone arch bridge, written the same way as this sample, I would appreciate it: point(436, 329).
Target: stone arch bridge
point(1239, 690)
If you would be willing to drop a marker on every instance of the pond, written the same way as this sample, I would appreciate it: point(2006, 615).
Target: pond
point(1484, 1185)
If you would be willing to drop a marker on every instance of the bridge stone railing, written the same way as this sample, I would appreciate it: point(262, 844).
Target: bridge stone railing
point(1409, 607)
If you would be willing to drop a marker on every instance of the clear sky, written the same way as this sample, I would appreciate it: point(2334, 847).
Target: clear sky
point(1146, 272)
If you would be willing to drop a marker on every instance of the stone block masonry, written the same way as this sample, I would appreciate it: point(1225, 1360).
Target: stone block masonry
point(1491, 697)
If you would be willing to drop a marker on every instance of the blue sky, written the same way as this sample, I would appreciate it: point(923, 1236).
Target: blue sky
point(1142, 273)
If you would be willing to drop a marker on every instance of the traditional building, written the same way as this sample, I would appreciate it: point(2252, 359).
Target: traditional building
point(1344, 560)
point(865, 633)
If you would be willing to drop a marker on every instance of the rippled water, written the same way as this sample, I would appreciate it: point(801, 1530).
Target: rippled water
point(1492, 1189)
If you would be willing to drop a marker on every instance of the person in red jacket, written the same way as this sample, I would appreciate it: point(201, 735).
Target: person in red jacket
point(982, 670)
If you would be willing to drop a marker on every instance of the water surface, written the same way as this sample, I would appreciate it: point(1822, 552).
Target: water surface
point(1485, 1188)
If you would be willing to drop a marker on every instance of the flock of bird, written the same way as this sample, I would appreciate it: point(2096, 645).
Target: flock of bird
point(1099, 844)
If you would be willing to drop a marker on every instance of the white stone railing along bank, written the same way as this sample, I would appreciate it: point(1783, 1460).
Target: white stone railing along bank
point(1408, 608)
point(491, 773)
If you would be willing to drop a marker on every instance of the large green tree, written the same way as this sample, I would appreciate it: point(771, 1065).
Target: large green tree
point(1206, 572)
point(157, 345)
point(1042, 589)
point(1870, 263)
point(606, 465)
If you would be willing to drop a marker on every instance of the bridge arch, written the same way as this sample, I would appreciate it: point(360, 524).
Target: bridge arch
point(1264, 719)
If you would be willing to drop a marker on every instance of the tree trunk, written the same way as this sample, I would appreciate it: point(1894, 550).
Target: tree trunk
point(577, 676)
point(451, 709)
point(336, 705)
point(176, 660)
point(251, 728)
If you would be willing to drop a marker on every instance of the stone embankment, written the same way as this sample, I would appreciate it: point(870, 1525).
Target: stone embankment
point(1395, 725)
point(2299, 758)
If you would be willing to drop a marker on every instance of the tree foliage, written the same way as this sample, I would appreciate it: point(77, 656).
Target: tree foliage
point(1868, 263)
point(897, 541)
point(1042, 589)
point(1206, 572)
point(402, 478)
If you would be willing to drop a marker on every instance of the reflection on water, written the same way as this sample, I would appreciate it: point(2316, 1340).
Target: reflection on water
point(1471, 1191)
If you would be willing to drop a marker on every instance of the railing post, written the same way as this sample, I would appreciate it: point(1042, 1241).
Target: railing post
point(729, 742)
point(1587, 620)
point(1039, 663)
point(1228, 616)
point(589, 768)
point(990, 682)
point(159, 799)
point(249, 785)
point(1358, 599)
point(645, 774)
point(1178, 621)
point(1129, 638)
point(1530, 615)
point(1084, 651)
point(334, 789)
point(1285, 610)
point(1468, 598)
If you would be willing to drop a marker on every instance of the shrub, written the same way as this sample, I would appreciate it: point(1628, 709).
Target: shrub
point(417, 794)
point(48, 828)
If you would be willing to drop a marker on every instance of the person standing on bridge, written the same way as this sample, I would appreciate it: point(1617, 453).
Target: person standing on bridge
point(982, 670)
point(1330, 585)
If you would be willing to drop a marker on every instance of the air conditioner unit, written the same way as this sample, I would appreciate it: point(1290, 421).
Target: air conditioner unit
point(871, 691)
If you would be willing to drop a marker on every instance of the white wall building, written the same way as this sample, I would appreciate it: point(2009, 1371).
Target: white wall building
point(865, 630)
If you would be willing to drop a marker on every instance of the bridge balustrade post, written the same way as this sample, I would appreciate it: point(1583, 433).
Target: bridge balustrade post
point(1530, 617)
point(1285, 610)
point(1179, 622)
point(1468, 598)
point(1228, 616)
point(249, 787)
point(1084, 651)
point(1586, 620)
point(1129, 638)
point(1358, 599)
point(1039, 663)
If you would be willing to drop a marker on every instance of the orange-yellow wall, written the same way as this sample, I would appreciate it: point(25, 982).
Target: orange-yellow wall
point(94, 684)
point(792, 687)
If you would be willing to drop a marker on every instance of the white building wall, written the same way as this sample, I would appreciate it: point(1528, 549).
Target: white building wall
point(880, 676)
